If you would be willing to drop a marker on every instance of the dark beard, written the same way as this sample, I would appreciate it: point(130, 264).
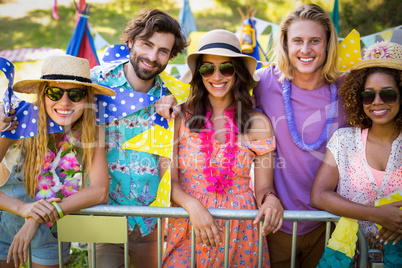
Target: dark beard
point(144, 74)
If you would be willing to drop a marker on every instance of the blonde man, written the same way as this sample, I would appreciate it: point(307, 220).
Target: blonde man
point(299, 94)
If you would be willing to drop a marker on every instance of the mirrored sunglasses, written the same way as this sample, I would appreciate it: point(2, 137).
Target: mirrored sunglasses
point(74, 94)
point(207, 70)
point(387, 96)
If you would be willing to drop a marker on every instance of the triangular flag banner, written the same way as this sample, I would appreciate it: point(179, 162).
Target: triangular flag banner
point(368, 40)
point(341, 246)
point(180, 90)
point(387, 35)
point(397, 36)
point(163, 193)
point(349, 51)
point(395, 197)
point(25, 113)
point(156, 140)
point(126, 102)
point(335, 16)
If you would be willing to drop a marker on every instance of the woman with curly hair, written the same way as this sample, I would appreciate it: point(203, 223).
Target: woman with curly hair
point(47, 176)
point(364, 163)
point(219, 137)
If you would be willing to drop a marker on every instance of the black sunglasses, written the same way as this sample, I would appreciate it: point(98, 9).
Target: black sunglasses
point(207, 70)
point(387, 96)
point(74, 94)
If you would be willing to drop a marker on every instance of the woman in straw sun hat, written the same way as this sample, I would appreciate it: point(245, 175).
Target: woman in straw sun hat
point(219, 136)
point(47, 176)
point(364, 163)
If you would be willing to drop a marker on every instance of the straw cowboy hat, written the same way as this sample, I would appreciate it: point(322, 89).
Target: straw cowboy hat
point(219, 43)
point(63, 69)
point(382, 54)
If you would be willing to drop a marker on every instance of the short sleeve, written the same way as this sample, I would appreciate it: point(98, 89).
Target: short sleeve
point(261, 147)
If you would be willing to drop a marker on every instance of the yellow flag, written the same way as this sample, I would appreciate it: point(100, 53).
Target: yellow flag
point(349, 51)
point(163, 194)
point(156, 140)
point(180, 90)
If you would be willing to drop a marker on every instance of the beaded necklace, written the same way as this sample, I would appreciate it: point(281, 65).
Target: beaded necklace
point(291, 122)
point(207, 136)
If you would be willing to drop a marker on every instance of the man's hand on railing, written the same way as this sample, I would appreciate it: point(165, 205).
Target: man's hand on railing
point(19, 247)
point(272, 211)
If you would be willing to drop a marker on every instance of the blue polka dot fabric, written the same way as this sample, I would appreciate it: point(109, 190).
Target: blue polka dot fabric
point(26, 113)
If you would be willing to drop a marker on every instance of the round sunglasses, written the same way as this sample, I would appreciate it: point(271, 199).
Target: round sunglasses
point(387, 96)
point(226, 69)
point(74, 94)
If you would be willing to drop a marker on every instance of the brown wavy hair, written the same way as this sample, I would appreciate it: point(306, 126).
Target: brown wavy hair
point(34, 149)
point(352, 102)
point(196, 106)
point(152, 20)
point(315, 13)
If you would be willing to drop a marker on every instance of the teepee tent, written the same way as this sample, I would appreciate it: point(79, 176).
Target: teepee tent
point(81, 43)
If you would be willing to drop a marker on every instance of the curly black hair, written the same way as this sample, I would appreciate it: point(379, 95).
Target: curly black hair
point(351, 99)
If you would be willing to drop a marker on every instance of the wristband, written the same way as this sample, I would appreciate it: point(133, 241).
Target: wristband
point(265, 196)
point(58, 208)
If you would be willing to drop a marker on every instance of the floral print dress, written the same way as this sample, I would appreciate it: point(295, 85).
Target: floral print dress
point(243, 240)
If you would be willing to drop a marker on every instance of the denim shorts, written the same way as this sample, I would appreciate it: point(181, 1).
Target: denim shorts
point(44, 246)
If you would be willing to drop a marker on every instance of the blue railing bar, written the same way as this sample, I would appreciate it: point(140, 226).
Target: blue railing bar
point(160, 238)
point(294, 240)
point(228, 214)
point(260, 245)
point(227, 233)
point(192, 247)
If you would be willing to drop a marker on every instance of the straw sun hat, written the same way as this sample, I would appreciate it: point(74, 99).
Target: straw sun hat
point(63, 69)
point(382, 54)
point(220, 43)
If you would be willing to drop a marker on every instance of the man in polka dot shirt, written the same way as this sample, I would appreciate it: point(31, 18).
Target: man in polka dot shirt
point(153, 38)
point(299, 94)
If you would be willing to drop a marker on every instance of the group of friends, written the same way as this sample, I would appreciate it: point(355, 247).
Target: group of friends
point(336, 136)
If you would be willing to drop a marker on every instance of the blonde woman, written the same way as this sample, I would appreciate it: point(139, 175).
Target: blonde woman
point(48, 176)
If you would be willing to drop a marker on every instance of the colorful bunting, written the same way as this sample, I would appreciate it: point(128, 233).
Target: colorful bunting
point(163, 194)
point(349, 51)
point(156, 140)
point(341, 246)
point(395, 197)
point(26, 113)
point(124, 103)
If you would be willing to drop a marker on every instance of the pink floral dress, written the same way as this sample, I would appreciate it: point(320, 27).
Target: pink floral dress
point(243, 241)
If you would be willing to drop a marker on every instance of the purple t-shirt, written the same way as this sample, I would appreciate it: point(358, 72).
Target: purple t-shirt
point(295, 169)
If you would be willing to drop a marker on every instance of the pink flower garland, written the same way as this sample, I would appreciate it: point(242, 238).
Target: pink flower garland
point(207, 136)
point(49, 184)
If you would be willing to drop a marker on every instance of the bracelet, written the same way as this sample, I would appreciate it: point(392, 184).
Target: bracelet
point(58, 208)
point(265, 196)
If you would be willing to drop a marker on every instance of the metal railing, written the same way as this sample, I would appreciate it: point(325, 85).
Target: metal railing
point(225, 214)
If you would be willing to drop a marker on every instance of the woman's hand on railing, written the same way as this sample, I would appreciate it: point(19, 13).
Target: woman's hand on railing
point(272, 211)
point(41, 211)
point(206, 229)
point(19, 247)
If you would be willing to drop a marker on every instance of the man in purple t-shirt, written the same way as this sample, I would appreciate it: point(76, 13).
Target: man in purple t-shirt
point(299, 94)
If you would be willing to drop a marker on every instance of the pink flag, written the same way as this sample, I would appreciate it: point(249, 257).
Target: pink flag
point(54, 11)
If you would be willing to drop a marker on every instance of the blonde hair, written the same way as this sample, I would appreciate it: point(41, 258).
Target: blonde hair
point(34, 149)
point(315, 13)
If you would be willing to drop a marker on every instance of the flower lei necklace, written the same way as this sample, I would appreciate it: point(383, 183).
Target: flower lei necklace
point(207, 136)
point(291, 122)
point(49, 184)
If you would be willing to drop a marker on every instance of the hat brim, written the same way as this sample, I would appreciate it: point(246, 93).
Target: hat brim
point(250, 62)
point(32, 86)
point(385, 63)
